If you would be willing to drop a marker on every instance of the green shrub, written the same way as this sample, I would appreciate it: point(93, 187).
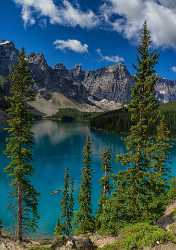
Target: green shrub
point(171, 193)
point(172, 228)
point(140, 235)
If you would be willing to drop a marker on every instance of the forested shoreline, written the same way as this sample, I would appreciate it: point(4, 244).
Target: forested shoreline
point(118, 121)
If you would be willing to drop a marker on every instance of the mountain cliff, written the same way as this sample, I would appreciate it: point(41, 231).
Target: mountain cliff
point(58, 87)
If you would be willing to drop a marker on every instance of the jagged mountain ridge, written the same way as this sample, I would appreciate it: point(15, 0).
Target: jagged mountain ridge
point(103, 88)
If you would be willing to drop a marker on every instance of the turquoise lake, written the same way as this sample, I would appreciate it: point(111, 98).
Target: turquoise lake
point(59, 146)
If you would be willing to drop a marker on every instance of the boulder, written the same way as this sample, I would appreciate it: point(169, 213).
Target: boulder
point(84, 244)
point(169, 217)
point(77, 243)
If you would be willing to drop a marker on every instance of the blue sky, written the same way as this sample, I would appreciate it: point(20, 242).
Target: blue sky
point(93, 33)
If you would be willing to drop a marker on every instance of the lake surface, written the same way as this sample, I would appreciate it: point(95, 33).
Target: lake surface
point(59, 146)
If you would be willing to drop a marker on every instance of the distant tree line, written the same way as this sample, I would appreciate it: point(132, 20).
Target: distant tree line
point(114, 121)
point(119, 121)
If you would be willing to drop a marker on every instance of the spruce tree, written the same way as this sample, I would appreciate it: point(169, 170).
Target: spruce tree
point(59, 228)
point(84, 218)
point(158, 179)
point(19, 147)
point(106, 168)
point(105, 190)
point(105, 180)
point(163, 144)
point(140, 187)
point(67, 204)
point(71, 203)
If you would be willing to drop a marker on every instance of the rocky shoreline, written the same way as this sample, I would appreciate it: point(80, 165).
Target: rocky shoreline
point(76, 243)
point(89, 242)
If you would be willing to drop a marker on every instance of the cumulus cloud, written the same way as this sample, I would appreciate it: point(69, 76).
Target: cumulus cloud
point(127, 17)
point(173, 69)
point(63, 14)
point(113, 58)
point(27, 16)
point(71, 44)
point(75, 16)
point(124, 16)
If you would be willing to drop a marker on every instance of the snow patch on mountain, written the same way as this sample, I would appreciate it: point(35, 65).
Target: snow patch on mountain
point(4, 42)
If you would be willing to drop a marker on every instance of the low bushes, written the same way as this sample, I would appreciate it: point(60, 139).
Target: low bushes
point(141, 235)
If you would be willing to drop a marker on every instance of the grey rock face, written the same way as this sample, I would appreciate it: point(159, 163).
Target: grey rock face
point(78, 74)
point(78, 243)
point(69, 82)
point(41, 72)
point(166, 90)
point(8, 57)
point(113, 83)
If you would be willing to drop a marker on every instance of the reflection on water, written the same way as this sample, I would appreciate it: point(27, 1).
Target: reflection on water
point(58, 146)
point(58, 132)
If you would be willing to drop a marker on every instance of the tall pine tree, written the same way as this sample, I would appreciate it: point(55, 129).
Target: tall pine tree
point(84, 218)
point(139, 188)
point(106, 187)
point(19, 147)
point(71, 203)
point(106, 168)
point(67, 204)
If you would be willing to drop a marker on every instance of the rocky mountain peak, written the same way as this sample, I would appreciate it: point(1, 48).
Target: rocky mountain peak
point(8, 56)
point(112, 83)
point(60, 67)
point(39, 69)
point(6, 43)
point(108, 84)
point(38, 59)
point(78, 74)
point(78, 69)
point(61, 70)
point(117, 67)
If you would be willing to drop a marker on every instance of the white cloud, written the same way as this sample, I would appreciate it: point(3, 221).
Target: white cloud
point(63, 14)
point(160, 16)
point(124, 16)
point(173, 69)
point(27, 17)
point(113, 58)
point(74, 16)
point(73, 45)
point(44, 8)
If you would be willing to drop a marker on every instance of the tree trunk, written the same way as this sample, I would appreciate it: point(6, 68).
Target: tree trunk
point(105, 183)
point(20, 214)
